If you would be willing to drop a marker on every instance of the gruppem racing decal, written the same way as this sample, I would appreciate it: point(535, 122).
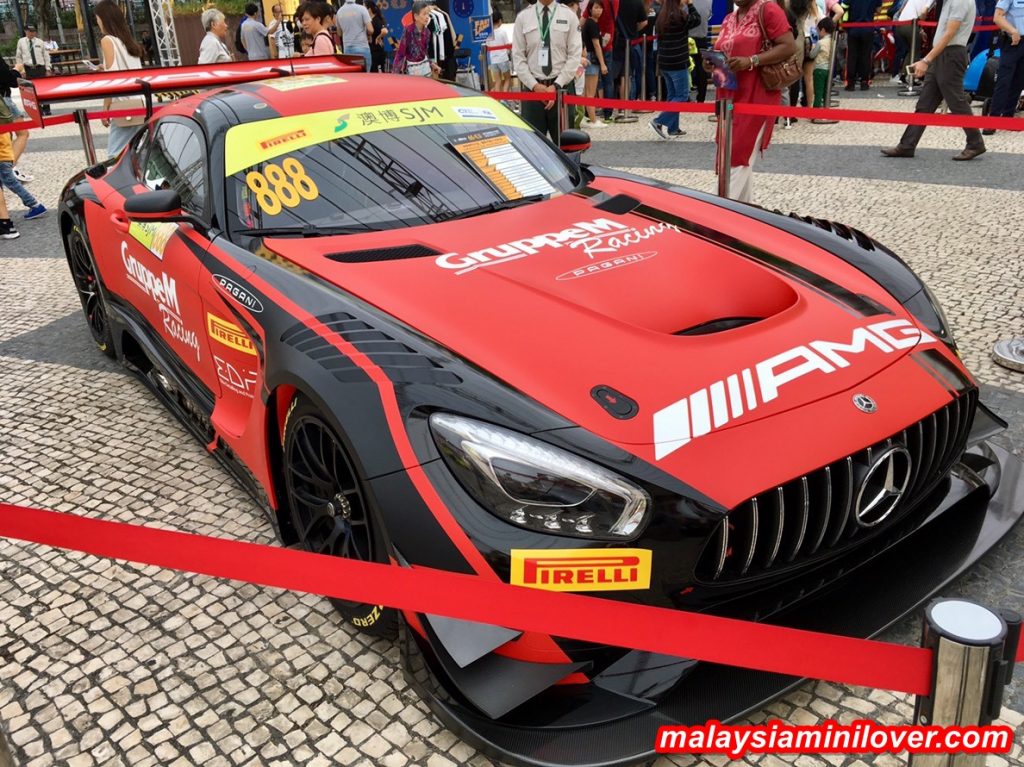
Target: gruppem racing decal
point(252, 143)
point(600, 238)
point(581, 569)
point(714, 406)
point(163, 291)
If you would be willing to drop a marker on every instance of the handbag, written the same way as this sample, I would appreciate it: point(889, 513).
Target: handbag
point(784, 73)
point(418, 68)
point(122, 64)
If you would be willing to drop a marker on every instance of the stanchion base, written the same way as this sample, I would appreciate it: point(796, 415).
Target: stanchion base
point(1010, 354)
point(625, 119)
point(909, 92)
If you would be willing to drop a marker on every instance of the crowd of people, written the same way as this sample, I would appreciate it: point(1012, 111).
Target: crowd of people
point(626, 49)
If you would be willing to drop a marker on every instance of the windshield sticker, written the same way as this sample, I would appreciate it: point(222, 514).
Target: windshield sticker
point(493, 154)
point(250, 144)
point(284, 185)
point(296, 83)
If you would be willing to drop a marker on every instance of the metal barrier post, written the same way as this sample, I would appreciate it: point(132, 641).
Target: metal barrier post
point(85, 131)
point(972, 647)
point(560, 106)
point(912, 89)
point(624, 115)
point(723, 108)
point(830, 99)
point(1010, 354)
point(643, 72)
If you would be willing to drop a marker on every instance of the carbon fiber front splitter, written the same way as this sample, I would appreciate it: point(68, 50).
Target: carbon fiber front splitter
point(984, 499)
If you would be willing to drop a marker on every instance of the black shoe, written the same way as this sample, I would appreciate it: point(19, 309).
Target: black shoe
point(850, 87)
point(865, 86)
point(988, 132)
point(7, 230)
point(969, 153)
point(898, 151)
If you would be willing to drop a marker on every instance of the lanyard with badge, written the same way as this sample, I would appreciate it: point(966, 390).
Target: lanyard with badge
point(544, 57)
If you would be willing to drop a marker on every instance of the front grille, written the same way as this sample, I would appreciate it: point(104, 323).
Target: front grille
point(813, 517)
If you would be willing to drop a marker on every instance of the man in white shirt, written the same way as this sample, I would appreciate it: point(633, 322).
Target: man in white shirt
point(31, 56)
point(546, 51)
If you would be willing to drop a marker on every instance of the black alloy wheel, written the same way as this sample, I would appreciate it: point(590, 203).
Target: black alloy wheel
point(94, 305)
point(328, 507)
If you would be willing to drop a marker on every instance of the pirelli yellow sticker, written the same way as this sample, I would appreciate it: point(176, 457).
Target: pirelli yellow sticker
point(582, 569)
point(154, 236)
point(253, 143)
point(229, 334)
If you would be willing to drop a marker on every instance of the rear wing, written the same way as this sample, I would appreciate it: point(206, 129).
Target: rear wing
point(145, 82)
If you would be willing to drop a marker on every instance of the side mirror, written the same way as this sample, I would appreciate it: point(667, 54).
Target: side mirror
point(573, 141)
point(161, 205)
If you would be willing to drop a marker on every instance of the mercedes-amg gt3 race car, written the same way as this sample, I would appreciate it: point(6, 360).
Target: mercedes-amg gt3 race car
point(419, 333)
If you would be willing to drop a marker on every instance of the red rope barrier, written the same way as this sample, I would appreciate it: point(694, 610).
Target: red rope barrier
point(728, 641)
point(894, 118)
point(652, 106)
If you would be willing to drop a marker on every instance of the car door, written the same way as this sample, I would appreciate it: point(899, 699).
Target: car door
point(159, 261)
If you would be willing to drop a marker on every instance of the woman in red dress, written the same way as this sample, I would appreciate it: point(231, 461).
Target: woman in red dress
point(742, 42)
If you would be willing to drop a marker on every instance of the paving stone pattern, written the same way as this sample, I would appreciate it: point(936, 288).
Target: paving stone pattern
point(106, 663)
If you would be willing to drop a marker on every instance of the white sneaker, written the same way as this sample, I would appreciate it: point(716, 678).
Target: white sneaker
point(22, 177)
point(598, 124)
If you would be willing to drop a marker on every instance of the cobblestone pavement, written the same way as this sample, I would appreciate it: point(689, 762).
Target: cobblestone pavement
point(105, 663)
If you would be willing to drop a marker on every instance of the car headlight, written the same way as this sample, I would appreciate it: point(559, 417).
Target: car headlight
point(926, 308)
point(535, 485)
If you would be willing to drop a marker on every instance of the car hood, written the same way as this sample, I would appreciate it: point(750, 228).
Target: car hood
point(651, 327)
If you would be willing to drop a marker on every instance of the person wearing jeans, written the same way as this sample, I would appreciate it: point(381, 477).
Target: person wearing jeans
point(675, 20)
point(9, 181)
point(1009, 17)
point(355, 24)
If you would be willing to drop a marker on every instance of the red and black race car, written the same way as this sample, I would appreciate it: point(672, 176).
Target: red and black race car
point(419, 333)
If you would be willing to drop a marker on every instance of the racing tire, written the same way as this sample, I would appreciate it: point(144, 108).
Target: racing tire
point(329, 508)
point(90, 292)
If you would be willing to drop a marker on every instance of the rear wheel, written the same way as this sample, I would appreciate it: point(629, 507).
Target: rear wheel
point(329, 510)
point(94, 305)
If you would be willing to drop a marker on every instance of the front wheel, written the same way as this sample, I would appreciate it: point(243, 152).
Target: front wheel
point(329, 510)
point(94, 304)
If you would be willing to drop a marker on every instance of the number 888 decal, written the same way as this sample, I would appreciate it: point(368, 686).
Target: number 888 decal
point(281, 186)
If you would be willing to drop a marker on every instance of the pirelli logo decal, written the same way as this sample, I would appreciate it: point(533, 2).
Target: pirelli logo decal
point(582, 569)
point(229, 334)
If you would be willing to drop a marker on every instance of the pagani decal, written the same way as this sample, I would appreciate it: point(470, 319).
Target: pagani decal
point(582, 569)
point(714, 406)
point(599, 267)
point(229, 334)
point(240, 294)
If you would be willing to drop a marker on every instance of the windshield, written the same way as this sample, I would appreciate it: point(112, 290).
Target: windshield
point(386, 167)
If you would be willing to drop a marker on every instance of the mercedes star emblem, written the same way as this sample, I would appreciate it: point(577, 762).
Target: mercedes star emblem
point(883, 486)
point(864, 403)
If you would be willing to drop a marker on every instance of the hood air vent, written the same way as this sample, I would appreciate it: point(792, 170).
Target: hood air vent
point(383, 254)
point(717, 326)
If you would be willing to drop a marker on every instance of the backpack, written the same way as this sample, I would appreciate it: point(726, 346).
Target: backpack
point(239, 45)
